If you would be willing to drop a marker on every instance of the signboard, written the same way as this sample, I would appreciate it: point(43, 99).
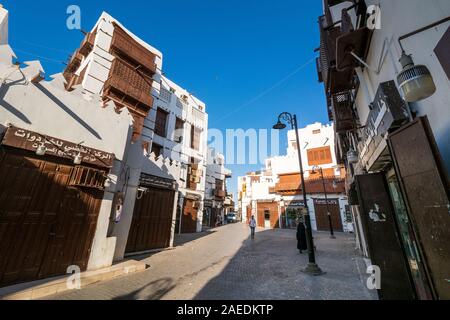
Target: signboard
point(28, 140)
point(295, 203)
point(330, 202)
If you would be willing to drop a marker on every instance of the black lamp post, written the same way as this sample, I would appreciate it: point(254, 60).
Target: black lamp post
point(320, 170)
point(312, 267)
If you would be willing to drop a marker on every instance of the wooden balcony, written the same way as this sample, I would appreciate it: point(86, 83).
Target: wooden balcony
point(343, 116)
point(221, 194)
point(88, 44)
point(129, 87)
point(73, 65)
point(123, 45)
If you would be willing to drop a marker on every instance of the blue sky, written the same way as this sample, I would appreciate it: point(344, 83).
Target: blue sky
point(242, 58)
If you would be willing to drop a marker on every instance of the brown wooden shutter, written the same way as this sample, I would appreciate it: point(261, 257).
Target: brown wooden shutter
point(160, 123)
point(425, 185)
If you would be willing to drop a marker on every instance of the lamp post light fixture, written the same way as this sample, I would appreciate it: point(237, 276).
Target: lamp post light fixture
point(320, 170)
point(312, 267)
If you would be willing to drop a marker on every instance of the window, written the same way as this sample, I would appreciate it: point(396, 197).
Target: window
point(319, 156)
point(160, 123)
point(165, 94)
point(157, 149)
point(179, 130)
point(316, 131)
point(195, 138)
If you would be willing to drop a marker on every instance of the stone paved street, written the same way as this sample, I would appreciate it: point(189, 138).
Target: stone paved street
point(224, 264)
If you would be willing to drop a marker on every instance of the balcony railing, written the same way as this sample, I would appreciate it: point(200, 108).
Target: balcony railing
point(124, 45)
point(220, 194)
point(88, 44)
point(72, 67)
point(343, 115)
point(124, 80)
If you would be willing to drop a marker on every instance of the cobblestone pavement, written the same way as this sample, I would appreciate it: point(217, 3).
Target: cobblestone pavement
point(225, 264)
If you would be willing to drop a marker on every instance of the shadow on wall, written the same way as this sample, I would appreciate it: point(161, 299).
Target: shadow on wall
point(67, 110)
point(3, 90)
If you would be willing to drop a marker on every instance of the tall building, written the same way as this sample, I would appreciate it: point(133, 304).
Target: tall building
point(385, 69)
point(217, 198)
point(274, 195)
point(107, 159)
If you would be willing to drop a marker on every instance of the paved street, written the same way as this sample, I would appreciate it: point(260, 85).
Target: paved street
point(224, 264)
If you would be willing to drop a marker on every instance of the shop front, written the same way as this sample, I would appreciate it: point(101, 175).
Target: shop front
point(51, 192)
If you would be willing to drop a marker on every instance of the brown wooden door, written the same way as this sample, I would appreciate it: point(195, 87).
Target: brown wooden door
point(383, 241)
point(321, 211)
point(189, 218)
point(41, 234)
point(425, 186)
point(152, 221)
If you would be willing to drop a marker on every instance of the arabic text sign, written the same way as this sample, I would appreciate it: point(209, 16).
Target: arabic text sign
point(28, 140)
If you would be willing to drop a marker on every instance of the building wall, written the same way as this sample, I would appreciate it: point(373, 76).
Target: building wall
point(398, 18)
point(47, 108)
point(257, 186)
point(313, 136)
point(3, 26)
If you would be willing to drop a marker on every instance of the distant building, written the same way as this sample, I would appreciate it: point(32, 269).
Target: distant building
point(274, 195)
point(217, 198)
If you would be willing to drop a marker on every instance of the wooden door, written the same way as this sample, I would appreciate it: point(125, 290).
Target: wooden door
point(41, 234)
point(152, 221)
point(321, 212)
point(189, 218)
point(424, 183)
point(383, 240)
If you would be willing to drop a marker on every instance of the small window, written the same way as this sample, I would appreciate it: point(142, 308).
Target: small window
point(157, 149)
point(179, 130)
point(161, 122)
point(316, 131)
point(195, 138)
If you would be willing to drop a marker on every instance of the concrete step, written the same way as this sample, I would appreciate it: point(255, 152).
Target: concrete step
point(42, 288)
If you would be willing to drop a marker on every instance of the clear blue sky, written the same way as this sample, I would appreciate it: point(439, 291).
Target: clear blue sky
point(232, 54)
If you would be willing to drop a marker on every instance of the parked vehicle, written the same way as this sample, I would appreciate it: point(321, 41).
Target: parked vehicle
point(231, 218)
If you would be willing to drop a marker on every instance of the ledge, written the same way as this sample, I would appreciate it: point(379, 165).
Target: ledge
point(42, 288)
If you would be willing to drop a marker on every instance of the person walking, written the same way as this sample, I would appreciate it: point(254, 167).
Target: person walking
point(301, 237)
point(252, 225)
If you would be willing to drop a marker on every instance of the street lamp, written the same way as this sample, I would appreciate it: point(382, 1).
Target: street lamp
point(312, 267)
point(320, 170)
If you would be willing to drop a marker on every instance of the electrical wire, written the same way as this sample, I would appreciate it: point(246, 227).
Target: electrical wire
point(267, 91)
point(38, 56)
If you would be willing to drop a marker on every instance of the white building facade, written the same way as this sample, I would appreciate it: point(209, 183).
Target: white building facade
point(278, 186)
point(385, 68)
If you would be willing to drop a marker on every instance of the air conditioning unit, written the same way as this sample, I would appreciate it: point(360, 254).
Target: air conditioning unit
point(179, 139)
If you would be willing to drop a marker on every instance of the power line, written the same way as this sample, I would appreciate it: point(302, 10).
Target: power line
point(267, 91)
point(45, 47)
point(38, 56)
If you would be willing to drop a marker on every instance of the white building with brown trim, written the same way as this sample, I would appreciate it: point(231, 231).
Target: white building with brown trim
point(61, 156)
point(274, 195)
point(217, 202)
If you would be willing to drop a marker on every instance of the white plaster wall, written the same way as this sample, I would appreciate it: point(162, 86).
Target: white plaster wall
point(398, 18)
point(49, 109)
point(308, 140)
point(3, 26)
